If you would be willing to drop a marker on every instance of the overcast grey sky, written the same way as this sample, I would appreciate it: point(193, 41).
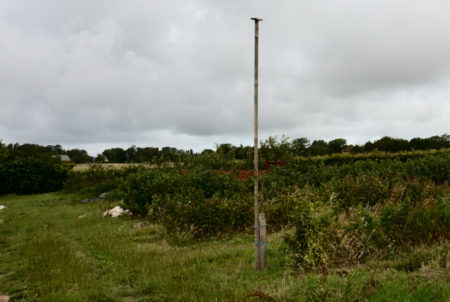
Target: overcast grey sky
point(107, 73)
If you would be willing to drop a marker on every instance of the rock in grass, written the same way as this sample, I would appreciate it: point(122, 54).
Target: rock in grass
point(100, 197)
point(116, 212)
point(4, 298)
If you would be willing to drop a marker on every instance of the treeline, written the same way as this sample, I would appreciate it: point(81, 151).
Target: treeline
point(30, 168)
point(33, 150)
point(229, 156)
point(272, 149)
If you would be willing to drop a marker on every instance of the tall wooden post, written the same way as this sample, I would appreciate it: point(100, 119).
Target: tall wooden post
point(255, 153)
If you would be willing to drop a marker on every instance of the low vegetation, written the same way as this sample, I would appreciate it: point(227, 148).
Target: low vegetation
point(343, 227)
point(53, 248)
point(27, 175)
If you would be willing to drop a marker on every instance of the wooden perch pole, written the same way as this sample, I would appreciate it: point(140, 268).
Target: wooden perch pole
point(258, 242)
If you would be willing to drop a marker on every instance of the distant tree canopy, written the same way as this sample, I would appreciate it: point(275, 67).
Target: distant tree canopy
point(272, 149)
point(434, 142)
point(389, 144)
point(79, 156)
point(140, 155)
point(336, 145)
point(319, 147)
point(29, 150)
point(31, 168)
point(300, 145)
point(115, 155)
point(34, 150)
point(3, 152)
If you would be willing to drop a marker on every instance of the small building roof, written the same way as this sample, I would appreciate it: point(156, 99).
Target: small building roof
point(64, 157)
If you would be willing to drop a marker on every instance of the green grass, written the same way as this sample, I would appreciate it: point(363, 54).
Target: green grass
point(55, 249)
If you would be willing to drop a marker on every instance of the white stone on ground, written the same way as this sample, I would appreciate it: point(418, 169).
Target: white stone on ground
point(4, 298)
point(116, 212)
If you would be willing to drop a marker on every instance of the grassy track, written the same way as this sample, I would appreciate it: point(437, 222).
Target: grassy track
point(55, 249)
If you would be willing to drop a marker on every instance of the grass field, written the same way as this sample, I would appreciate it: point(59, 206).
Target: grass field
point(53, 248)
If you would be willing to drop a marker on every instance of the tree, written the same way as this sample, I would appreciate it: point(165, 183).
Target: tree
point(207, 151)
point(29, 150)
point(318, 147)
point(57, 149)
point(356, 149)
point(418, 143)
point(79, 156)
point(147, 154)
point(225, 149)
point(437, 142)
point(4, 152)
point(244, 153)
point(27, 175)
point(336, 145)
point(390, 144)
point(115, 155)
point(434, 142)
point(274, 149)
point(299, 145)
point(368, 147)
point(100, 158)
point(130, 154)
point(30, 168)
point(171, 154)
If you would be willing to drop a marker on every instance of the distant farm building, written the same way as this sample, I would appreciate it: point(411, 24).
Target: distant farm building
point(347, 150)
point(64, 157)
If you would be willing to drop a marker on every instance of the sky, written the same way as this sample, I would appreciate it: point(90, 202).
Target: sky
point(115, 73)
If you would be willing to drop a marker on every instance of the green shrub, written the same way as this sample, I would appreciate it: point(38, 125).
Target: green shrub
point(361, 190)
point(362, 235)
point(203, 203)
point(329, 231)
point(413, 261)
point(196, 201)
point(416, 223)
point(147, 188)
point(97, 179)
point(32, 175)
point(278, 209)
point(203, 217)
point(431, 167)
point(314, 230)
point(324, 238)
point(344, 158)
point(386, 168)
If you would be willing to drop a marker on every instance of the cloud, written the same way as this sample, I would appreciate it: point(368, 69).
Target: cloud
point(180, 74)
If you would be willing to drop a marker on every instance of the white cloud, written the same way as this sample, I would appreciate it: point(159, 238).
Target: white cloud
point(180, 74)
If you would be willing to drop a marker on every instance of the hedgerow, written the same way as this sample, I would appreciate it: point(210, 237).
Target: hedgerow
point(342, 158)
point(431, 165)
point(26, 175)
